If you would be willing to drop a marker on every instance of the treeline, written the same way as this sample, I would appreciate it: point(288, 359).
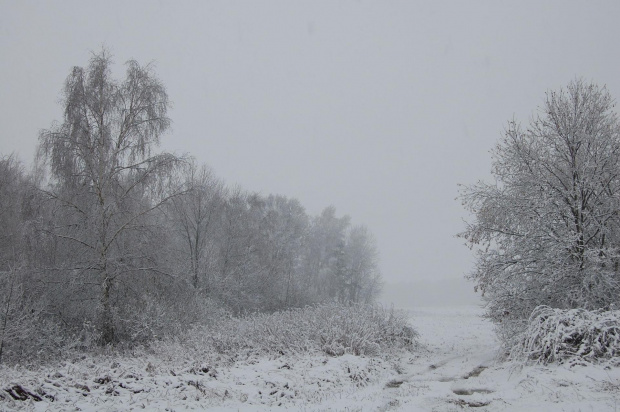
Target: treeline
point(107, 241)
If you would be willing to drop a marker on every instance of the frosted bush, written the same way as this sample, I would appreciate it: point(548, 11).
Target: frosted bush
point(159, 318)
point(556, 335)
point(332, 328)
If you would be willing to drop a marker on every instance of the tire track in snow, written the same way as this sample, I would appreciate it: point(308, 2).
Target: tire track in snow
point(470, 344)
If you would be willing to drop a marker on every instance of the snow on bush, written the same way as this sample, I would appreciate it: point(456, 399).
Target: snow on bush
point(332, 328)
point(557, 335)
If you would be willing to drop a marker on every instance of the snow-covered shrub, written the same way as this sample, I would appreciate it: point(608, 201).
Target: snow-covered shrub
point(332, 328)
point(155, 318)
point(31, 339)
point(28, 334)
point(557, 335)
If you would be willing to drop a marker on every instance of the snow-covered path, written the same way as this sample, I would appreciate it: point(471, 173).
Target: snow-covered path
point(457, 345)
point(459, 370)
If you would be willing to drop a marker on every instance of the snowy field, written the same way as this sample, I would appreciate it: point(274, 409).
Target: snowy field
point(453, 369)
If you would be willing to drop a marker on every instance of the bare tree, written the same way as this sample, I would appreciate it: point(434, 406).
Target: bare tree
point(237, 260)
point(105, 178)
point(196, 217)
point(283, 228)
point(548, 226)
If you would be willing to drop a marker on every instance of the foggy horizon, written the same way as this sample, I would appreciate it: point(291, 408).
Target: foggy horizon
point(379, 109)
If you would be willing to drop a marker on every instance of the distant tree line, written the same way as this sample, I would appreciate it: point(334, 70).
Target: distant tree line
point(108, 240)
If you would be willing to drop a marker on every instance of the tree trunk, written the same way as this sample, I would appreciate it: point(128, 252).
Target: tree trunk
point(108, 335)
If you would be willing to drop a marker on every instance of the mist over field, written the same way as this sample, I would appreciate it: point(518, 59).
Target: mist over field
point(440, 293)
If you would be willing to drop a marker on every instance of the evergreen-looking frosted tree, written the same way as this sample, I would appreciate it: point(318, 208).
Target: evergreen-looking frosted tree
point(547, 229)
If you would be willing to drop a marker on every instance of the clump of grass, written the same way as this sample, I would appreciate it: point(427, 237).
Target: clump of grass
point(556, 335)
point(333, 329)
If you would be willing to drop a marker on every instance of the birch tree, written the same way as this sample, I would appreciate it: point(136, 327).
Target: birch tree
point(196, 217)
point(105, 177)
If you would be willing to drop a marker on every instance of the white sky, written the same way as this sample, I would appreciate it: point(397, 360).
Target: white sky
point(376, 107)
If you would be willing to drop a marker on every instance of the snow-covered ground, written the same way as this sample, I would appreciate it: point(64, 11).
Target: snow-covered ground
point(454, 369)
point(460, 370)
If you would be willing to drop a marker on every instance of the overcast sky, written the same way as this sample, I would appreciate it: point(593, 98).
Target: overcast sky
point(379, 108)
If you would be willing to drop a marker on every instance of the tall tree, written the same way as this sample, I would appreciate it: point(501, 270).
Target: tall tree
point(237, 266)
point(325, 250)
point(360, 279)
point(283, 228)
point(196, 217)
point(549, 225)
point(106, 180)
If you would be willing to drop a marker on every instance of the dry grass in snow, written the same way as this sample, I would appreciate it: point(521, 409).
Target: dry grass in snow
point(575, 335)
